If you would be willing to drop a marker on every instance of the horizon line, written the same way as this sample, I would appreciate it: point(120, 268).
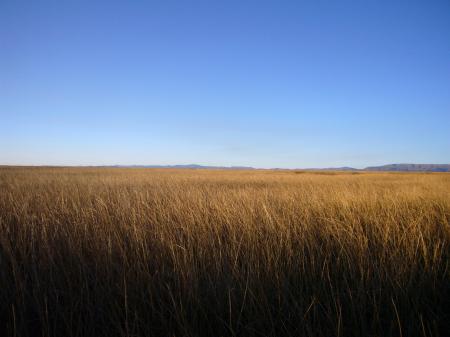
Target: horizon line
point(230, 167)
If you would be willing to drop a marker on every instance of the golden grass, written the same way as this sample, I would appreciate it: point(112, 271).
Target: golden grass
point(147, 252)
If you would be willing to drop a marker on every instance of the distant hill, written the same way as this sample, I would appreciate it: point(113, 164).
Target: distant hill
point(383, 168)
point(394, 168)
point(411, 168)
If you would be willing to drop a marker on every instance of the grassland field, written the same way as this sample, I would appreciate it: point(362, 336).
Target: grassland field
point(162, 252)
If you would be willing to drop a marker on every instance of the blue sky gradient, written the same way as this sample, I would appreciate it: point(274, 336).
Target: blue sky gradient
point(258, 83)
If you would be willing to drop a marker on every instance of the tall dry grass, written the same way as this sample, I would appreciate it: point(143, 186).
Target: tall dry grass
point(136, 252)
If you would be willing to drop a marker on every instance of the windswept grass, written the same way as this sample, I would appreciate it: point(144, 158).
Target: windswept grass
point(136, 252)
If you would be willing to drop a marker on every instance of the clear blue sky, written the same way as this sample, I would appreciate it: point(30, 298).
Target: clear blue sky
point(260, 83)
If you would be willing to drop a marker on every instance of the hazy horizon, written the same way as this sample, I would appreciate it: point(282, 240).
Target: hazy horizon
point(195, 165)
point(264, 84)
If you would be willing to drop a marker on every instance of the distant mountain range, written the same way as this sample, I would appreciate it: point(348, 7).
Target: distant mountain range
point(394, 168)
point(411, 167)
point(386, 168)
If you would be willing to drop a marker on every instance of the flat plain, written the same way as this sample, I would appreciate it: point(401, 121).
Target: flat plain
point(162, 252)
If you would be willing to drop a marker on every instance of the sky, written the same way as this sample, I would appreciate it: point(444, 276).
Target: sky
point(289, 84)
